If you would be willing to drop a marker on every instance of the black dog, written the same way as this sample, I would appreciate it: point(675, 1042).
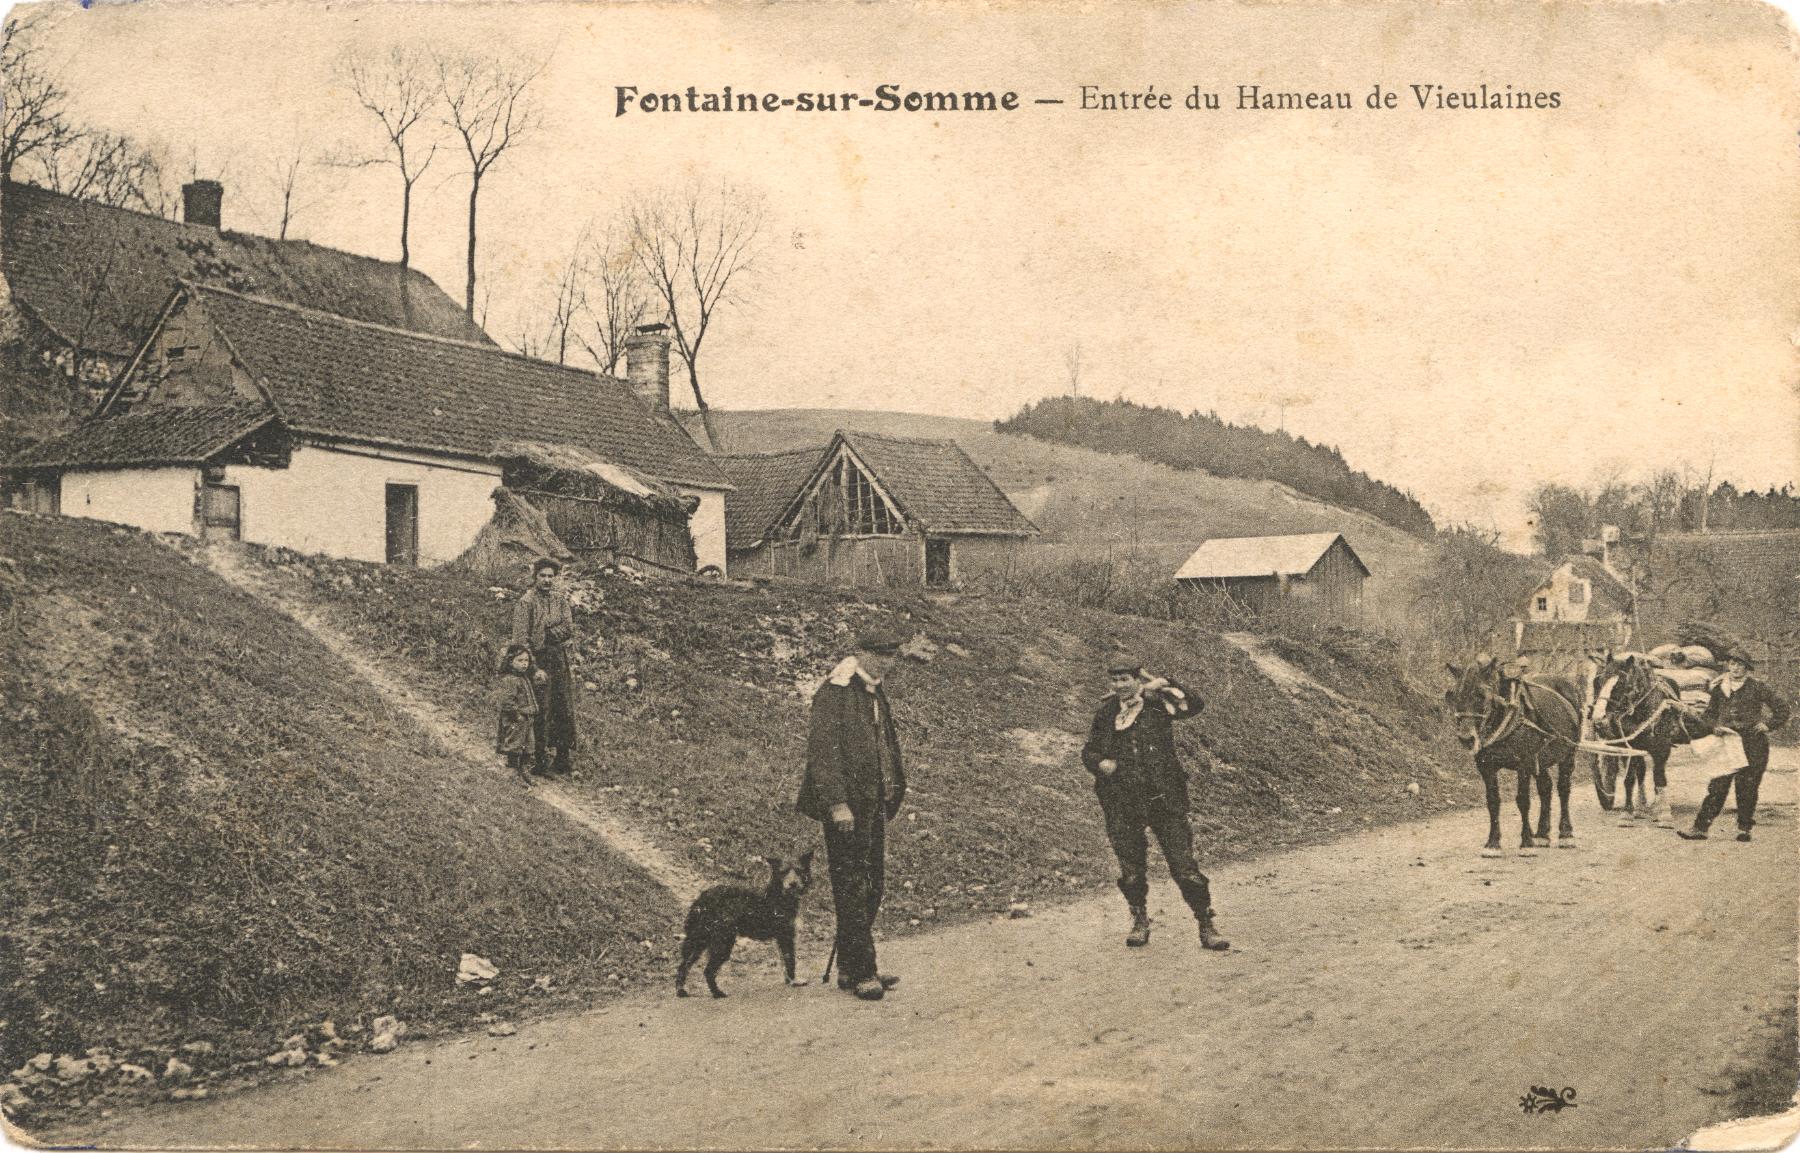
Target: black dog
point(719, 916)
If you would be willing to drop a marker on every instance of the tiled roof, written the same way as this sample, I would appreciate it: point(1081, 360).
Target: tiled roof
point(1610, 592)
point(161, 436)
point(936, 484)
point(58, 249)
point(334, 377)
point(764, 484)
point(1223, 558)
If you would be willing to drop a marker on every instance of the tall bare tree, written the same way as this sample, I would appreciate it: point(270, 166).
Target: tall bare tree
point(546, 329)
point(398, 88)
point(283, 175)
point(613, 299)
point(34, 116)
point(487, 109)
point(696, 246)
point(1072, 362)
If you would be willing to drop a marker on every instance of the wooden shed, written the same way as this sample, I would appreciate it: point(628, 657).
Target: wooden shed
point(868, 510)
point(1265, 572)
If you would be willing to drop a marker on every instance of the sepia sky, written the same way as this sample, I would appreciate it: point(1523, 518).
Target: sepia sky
point(1466, 302)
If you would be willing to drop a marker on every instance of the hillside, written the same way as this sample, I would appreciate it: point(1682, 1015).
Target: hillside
point(213, 837)
point(218, 831)
point(1088, 502)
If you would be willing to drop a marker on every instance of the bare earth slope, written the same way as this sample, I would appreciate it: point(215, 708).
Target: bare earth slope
point(1392, 989)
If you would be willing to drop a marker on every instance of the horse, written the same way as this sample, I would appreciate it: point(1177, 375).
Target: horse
point(1525, 724)
point(1636, 709)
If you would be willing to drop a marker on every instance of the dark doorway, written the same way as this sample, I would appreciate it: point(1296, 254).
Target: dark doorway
point(221, 512)
point(403, 524)
point(937, 562)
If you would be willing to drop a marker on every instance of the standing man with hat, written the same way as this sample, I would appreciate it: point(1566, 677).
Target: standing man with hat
point(1141, 784)
point(854, 784)
point(544, 623)
point(1745, 705)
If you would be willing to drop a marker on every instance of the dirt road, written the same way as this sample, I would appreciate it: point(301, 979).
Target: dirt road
point(1394, 989)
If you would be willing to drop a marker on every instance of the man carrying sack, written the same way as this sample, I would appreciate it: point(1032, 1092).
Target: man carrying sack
point(1743, 707)
point(854, 784)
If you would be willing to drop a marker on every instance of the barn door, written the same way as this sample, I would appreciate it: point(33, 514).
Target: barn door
point(221, 512)
point(403, 524)
point(937, 562)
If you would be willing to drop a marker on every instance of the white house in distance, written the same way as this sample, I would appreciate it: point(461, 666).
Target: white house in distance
point(273, 423)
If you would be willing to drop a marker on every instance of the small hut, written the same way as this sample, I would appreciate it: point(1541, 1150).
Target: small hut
point(1266, 572)
point(595, 508)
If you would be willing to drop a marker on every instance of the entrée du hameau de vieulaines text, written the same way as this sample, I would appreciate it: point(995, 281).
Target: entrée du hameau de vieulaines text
point(1423, 97)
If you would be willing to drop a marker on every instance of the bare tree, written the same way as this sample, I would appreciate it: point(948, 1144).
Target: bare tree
point(1072, 362)
point(282, 175)
point(545, 331)
point(485, 105)
point(105, 167)
point(613, 299)
point(695, 246)
point(35, 115)
point(397, 88)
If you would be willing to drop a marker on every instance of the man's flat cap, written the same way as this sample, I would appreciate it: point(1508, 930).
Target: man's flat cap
point(879, 641)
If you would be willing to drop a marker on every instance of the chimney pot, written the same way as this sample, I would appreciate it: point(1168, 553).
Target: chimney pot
point(201, 201)
point(647, 364)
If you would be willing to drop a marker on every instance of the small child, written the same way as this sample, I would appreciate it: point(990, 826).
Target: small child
point(516, 697)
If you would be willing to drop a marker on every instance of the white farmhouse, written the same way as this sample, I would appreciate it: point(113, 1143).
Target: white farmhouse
point(265, 421)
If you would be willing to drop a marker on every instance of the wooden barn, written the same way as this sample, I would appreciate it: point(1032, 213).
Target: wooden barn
point(868, 510)
point(1266, 572)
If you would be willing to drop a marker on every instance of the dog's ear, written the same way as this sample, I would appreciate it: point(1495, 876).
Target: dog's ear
point(806, 860)
point(774, 863)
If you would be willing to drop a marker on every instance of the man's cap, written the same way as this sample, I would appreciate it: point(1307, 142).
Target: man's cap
point(543, 563)
point(1124, 663)
point(1740, 654)
point(879, 641)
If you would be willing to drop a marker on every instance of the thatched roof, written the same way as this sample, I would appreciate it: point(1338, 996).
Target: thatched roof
point(566, 466)
point(60, 252)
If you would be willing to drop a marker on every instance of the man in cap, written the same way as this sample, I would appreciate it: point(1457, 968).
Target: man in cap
point(1745, 705)
point(1141, 784)
point(854, 784)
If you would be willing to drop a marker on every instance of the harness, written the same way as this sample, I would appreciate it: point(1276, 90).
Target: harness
point(1620, 746)
point(1515, 711)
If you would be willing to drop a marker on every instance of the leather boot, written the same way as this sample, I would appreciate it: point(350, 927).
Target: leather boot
point(1140, 928)
point(1209, 933)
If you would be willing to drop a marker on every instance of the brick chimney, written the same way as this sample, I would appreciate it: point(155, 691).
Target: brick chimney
point(200, 202)
point(647, 364)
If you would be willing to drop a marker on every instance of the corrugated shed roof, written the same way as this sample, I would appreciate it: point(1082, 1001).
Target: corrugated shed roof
point(765, 483)
point(935, 483)
point(162, 436)
point(331, 376)
point(58, 250)
point(1224, 558)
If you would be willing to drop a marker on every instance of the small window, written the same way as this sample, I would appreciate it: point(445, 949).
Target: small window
point(1543, 604)
point(177, 352)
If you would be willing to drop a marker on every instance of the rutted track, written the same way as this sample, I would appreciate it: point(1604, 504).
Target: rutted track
point(1389, 990)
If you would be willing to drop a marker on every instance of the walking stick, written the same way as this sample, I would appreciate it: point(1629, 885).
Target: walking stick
point(829, 962)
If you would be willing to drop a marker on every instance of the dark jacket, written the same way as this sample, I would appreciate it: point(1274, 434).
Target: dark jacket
point(1149, 768)
point(850, 725)
point(1753, 703)
point(518, 707)
point(541, 618)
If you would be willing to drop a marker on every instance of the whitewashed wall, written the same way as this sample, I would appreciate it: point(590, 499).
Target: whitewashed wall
point(335, 502)
point(154, 499)
point(707, 524)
